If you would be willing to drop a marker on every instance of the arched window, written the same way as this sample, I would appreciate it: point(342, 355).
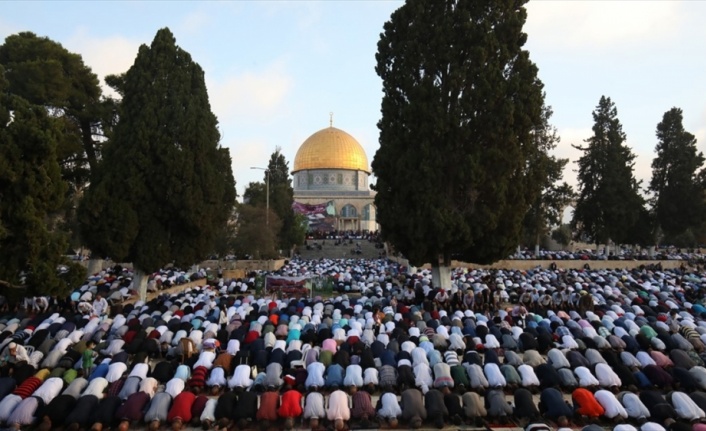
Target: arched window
point(369, 212)
point(349, 211)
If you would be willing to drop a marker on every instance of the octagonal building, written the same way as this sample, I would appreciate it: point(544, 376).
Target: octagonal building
point(330, 181)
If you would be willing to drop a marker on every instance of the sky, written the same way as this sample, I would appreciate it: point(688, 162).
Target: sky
point(275, 69)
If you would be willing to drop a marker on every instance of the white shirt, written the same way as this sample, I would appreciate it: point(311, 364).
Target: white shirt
point(315, 375)
point(456, 342)
point(100, 306)
point(629, 359)
point(217, 377)
point(149, 386)
point(117, 322)
point(270, 339)
point(96, 387)
point(558, 359)
point(390, 406)
point(49, 390)
point(422, 377)
point(586, 379)
point(115, 371)
point(76, 387)
point(241, 377)
point(476, 376)
point(174, 387)
point(494, 375)
point(62, 345)
point(645, 359)
point(75, 336)
point(635, 408)
point(568, 342)
point(698, 373)
point(314, 406)
point(140, 370)
point(206, 359)
point(233, 347)
point(419, 356)
point(606, 376)
point(529, 378)
point(338, 406)
point(354, 376)
point(685, 407)
point(114, 347)
point(370, 376)
point(491, 342)
point(610, 404)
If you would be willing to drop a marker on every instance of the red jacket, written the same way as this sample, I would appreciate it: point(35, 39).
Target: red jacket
point(291, 404)
point(269, 402)
point(181, 407)
point(586, 403)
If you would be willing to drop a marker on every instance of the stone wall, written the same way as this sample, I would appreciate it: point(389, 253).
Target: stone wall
point(561, 264)
point(173, 289)
point(230, 274)
point(259, 265)
point(96, 265)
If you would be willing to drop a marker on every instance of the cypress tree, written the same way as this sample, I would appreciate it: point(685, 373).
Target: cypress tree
point(165, 187)
point(547, 209)
point(32, 191)
point(456, 168)
point(44, 73)
point(678, 201)
point(609, 205)
point(292, 230)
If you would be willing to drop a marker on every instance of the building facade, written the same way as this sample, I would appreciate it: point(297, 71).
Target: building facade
point(330, 181)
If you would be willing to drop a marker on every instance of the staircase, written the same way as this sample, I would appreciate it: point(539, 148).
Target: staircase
point(342, 251)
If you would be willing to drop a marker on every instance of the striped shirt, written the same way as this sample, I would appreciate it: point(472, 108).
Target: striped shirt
point(362, 405)
point(27, 388)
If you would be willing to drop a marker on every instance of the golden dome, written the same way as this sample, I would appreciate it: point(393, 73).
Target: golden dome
point(331, 148)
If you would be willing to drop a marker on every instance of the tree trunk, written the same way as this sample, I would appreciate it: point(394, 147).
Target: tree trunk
point(536, 250)
point(441, 273)
point(139, 282)
point(95, 266)
point(441, 276)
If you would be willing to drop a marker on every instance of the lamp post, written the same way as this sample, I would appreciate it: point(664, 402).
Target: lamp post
point(267, 192)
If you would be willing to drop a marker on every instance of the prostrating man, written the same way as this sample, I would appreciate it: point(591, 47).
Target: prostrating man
point(413, 410)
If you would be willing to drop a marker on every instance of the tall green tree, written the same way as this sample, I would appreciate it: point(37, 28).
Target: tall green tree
point(562, 234)
point(164, 188)
point(292, 231)
point(456, 168)
point(547, 209)
point(609, 204)
point(45, 73)
point(678, 195)
point(31, 191)
point(253, 237)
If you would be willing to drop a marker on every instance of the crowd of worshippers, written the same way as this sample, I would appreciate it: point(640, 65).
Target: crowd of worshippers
point(213, 357)
point(672, 253)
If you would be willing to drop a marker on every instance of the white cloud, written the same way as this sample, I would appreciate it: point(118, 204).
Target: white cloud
point(246, 154)
point(194, 22)
point(310, 16)
point(6, 29)
point(600, 25)
point(700, 140)
point(251, 94)
point(105, 56)
point(565, 150)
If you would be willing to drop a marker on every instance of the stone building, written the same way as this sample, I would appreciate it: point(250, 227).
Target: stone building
point(330, 181)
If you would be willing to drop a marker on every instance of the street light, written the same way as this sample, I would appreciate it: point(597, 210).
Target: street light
point(267, 192)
